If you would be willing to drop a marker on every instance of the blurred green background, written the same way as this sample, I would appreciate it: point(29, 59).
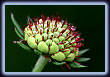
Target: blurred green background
point(89, 20)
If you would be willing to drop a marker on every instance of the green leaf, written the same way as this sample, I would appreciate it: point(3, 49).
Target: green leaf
point(16, 24)
point(83, 51)
point(18, 34)
point(76, 65)
point(58, 63)
point(82, 59)
point(38, 52)
point(24, 46)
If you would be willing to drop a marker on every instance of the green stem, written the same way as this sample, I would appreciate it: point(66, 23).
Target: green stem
point(40, 64)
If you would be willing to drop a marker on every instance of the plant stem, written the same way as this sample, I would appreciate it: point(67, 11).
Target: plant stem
point(40, 64)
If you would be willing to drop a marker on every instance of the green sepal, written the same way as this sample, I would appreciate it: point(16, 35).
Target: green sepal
point(58, 63)
point(83, 51)
point(18, 34)
point(16, 25)
point(24, 46)
point(37, 52)
point(76, 65)
point(82, 59)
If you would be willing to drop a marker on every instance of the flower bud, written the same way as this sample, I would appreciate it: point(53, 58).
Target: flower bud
point(61, 38)
point(38, 38)
point(58, 56)
point(49, 42)
point(43, 47)
point(61, 46)
point(56, 40)
point(70, 57)
point(44, 35)
point(54, 48)
point(66, 52)
point(31, 42)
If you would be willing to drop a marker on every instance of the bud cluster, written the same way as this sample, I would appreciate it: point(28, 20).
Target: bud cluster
point(54, 37)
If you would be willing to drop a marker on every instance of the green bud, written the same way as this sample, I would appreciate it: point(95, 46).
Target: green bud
point(45, 31)
point(74, 44)
point(26, 37)
point(38, 38)
point(50, 35)
point(43, 47)
point(50, 30)
point(77, 53)
point(31, 42)
point(66, 52)
point(66, 42)
point(54, 48)
point(69, 40)
point(28, 31)
point(33, 28)
point(59, 30)
point(45, 36)
point(70, 57)
point(73, 40)
point(64, 35)
point(61, 46)
point(49, 42)
point(56, 40)
point(67, 31)
point(71, 48)
point(64, 26)
point(67, 45)
point(59, 24)
point(58, 56)
point(61, 38)
point(56, 34)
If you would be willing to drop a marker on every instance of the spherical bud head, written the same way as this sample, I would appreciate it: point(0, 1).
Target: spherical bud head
point(48, 42)
point(58, 56)
point(31, 42)
point(56, 40)
point(45, 36)
point(70, 57)
point(38, 38)
point(61, 46)
point(54, 48)
point(43, 47)
point(61, 38)
point(66, 52)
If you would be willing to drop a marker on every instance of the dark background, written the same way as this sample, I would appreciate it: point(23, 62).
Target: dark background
point(89, 20)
